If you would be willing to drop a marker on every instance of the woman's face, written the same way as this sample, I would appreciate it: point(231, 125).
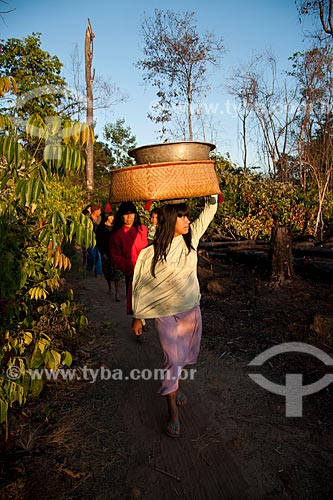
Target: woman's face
point(129, 219)
point(96, 213)
point(154, 219)
point(182, 225)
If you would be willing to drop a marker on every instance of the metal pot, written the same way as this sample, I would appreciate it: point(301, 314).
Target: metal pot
point(172, 151)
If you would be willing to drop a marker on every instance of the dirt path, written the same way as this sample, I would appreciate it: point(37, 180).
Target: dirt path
point(105, 441)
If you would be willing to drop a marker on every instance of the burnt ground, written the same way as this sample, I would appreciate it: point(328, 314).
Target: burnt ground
point(105, 440)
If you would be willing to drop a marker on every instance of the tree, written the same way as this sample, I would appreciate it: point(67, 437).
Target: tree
point(280, 255)
point(274, 109)
point(313, 70)
point(323, 9)
point(102, 160)
point(175, 62)
point(106, 93)
point(5, 11)
point(2, 12)
point(109, 94)
point(243, 85)
point(40, 86)
point(36, 231)
point(120, 140)
point(89, 53)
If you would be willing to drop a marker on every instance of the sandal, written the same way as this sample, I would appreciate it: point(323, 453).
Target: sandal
point(172, 430)
point(181, 399)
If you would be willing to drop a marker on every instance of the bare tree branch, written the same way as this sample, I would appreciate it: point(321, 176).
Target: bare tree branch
point(175, 62)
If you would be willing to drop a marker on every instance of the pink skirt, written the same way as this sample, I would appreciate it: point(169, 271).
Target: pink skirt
point(180, 338)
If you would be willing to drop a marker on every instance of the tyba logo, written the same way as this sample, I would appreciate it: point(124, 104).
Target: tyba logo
point(293, 390)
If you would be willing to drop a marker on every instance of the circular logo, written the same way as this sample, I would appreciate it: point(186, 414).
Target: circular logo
point(13, 372)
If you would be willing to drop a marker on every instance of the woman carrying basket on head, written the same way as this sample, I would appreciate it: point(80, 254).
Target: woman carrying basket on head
point(166, 287)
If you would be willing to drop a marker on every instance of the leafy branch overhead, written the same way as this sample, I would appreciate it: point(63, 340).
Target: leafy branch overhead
point(120, 139)
point(36, 234)
point(176, 59)
point(40, 86)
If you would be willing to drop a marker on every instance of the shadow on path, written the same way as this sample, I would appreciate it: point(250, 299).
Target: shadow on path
point(197, 466)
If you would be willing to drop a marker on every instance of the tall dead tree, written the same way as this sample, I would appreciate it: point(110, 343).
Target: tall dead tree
point(243, 86)
point(90, 75)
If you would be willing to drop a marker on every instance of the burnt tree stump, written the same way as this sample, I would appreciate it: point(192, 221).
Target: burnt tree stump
point(280, 255)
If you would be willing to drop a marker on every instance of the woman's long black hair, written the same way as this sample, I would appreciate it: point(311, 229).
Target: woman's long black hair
point(165, 231)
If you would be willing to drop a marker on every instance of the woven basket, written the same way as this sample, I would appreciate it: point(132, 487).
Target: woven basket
point(163, 181)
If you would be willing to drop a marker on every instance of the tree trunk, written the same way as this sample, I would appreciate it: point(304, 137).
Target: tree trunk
point(280, 255)
point(89, 51)
point(189, 114)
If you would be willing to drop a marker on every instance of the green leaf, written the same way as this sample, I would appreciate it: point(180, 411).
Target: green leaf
point(62, 218)
point(42, 172)
point(52, 359)
point(36, 190)
point(36, 359)
point(44, 236)
point(20, 190)
point(18, 150)
point(36, 387)
point(71, 231)
point(67, 157)
point(67, 360)
point(66, 132)
point(6, 122)
point(28, 191)
point(3, 410)
point(9, 148)
point(27, 337)
point(5, 179)
point(36, 127)
point(54, 220)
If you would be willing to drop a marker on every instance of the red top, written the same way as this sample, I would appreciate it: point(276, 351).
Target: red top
point(125, 246)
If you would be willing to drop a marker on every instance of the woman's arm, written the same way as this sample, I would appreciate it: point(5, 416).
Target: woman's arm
point(199, 226)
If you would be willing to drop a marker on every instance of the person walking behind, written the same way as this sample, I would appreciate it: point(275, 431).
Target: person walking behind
point(86, 211)
point(127, 240)
point(153, 225)
point(103, 234)
point(94, 260)
point(166, 288)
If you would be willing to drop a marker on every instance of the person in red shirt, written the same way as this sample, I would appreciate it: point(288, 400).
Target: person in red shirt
point(127, 240)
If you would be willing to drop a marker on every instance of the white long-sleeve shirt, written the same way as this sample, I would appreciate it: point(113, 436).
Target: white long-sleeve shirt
point(176, 287)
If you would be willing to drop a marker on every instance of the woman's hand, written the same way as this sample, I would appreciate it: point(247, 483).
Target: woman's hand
point(137, 326)
point(211, 200)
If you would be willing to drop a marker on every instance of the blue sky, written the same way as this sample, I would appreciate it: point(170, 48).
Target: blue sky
point(247, 27)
